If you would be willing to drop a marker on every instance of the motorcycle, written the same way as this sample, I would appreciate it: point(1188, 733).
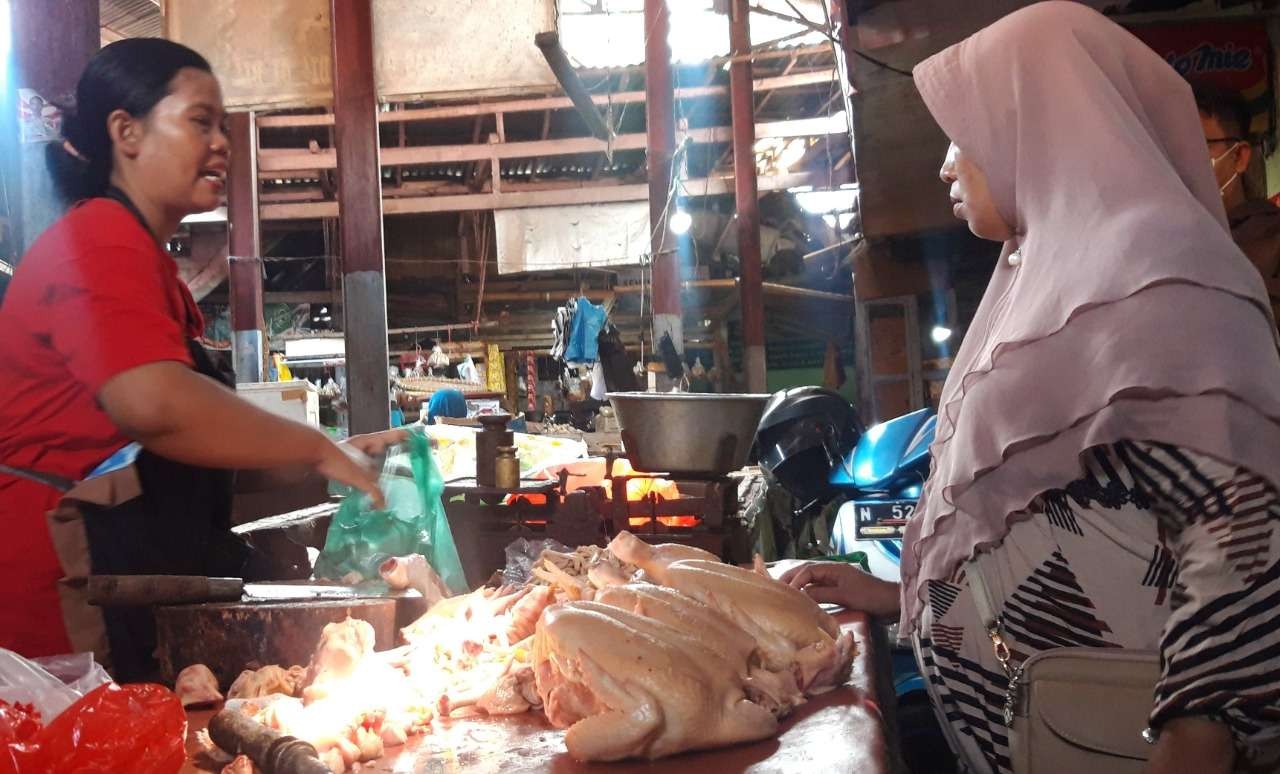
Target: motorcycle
point(811, 443)
point(882, 478)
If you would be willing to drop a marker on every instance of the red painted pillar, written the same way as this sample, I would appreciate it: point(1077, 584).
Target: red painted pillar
point(52, 41)
point(751, 284)
point(661, 130)
point(364, 287)
point(244, 251)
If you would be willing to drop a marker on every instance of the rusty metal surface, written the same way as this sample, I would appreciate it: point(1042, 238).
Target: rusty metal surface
point(228, 636)
point(840, 731)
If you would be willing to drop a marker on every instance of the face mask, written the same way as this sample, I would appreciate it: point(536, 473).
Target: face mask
point(1213, 165)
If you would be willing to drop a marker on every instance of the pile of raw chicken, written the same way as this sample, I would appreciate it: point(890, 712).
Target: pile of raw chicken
point(637, 650)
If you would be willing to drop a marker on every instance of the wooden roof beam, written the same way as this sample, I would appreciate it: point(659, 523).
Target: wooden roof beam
point(498, 201)
point(279, 160)
point(790, 81)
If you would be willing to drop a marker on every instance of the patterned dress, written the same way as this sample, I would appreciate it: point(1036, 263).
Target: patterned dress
point(1154, 548)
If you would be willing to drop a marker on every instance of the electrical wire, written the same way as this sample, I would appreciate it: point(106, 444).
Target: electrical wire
point(880, 63)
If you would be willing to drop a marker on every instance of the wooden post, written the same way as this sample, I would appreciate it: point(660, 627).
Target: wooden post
point(742, 105)
point(52, 41)
point(244, 251)
point(661, 130)
point(364, 287)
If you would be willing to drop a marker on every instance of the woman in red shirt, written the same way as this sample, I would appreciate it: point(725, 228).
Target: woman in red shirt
point(98, 348)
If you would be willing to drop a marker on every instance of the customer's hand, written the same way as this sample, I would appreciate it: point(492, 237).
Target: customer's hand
point(843, 584)
point(1193, 745)
point(347, 464)
point(374, 444)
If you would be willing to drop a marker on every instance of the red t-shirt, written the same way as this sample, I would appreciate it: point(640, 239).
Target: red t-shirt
point(95, 296)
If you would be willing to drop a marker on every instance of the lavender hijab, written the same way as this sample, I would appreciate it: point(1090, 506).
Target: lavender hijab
point(1131, 315)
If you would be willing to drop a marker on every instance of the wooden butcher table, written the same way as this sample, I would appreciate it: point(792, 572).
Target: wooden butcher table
point(841, 731)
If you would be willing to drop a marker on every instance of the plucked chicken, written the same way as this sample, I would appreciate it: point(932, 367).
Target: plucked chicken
point(791, 630)
point(629, 686)
point(776, 690)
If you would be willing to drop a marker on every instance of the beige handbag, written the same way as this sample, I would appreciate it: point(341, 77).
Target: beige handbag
point(1073, 710)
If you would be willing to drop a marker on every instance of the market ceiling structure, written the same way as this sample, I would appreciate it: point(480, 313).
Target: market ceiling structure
point(447, 165)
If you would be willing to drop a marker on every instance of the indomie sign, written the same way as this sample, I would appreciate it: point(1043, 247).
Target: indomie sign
point(1232, 55)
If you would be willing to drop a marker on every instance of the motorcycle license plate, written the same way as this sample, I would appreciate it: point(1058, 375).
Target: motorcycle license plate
point(883, 521)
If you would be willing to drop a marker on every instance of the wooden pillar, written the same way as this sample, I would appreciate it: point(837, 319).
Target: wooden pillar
point(661, 129)
point(751, 286)
point(52, 41)
point(244, 251)
point(364, 287)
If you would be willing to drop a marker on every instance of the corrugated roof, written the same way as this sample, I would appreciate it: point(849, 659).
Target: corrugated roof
point(131, 18)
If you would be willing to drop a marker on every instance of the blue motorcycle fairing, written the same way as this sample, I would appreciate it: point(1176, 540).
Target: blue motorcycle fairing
point(888, 453)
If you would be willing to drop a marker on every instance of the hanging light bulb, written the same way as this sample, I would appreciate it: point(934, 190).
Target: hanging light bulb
point(940, 333)
point(681, 221)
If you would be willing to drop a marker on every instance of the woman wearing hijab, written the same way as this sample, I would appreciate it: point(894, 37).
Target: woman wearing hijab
point(114, 421)
point(1108, 442)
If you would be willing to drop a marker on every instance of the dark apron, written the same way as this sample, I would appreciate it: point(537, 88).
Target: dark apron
point(180, 524)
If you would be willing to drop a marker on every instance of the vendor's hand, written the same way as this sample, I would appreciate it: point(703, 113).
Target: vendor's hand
point(346, 464)
point(374, 444)
point(843, 584)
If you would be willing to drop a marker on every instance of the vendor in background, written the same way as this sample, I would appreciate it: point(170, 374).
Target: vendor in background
point(113, 419)
point(1255, 222)
point(448, 403)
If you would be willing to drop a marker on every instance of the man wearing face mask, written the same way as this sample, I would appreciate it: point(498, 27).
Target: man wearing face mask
point(1255, 223)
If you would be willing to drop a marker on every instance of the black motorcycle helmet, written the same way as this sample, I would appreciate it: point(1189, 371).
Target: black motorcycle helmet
point(804, 433)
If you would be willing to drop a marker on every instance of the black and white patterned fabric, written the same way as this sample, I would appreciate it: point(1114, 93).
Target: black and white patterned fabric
point(1154, 547)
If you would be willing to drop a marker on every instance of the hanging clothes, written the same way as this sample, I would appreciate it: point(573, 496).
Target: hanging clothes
point(561, 326)
point(588, 321)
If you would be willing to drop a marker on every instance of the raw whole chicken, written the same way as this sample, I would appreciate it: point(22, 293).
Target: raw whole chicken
point(414, 572)
point(776, 690)
point(196, 685)
point(628, 686)
point(791, 630)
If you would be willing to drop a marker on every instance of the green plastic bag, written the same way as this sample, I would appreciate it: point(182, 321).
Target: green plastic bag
point(414, 522)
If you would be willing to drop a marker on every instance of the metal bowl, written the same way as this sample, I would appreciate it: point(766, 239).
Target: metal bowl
point(687, 434)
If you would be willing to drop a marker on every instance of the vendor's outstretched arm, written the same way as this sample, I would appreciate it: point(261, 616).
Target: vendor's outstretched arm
point(180, 415)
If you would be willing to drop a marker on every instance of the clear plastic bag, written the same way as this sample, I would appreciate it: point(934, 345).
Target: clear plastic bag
point(523, 554)
point(414, 522)
point(78, 671)
point(26, 682)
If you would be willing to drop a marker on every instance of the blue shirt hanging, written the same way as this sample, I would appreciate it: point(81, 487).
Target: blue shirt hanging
point(588, 321)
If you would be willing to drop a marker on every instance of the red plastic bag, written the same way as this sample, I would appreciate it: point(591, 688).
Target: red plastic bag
point(136, 728)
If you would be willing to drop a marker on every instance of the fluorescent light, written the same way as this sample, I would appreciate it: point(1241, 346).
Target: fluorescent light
point(218, 215)
point(681, 222)
point(5, 268)
point(940, 333)
point(313, 348)
point(814, 202)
